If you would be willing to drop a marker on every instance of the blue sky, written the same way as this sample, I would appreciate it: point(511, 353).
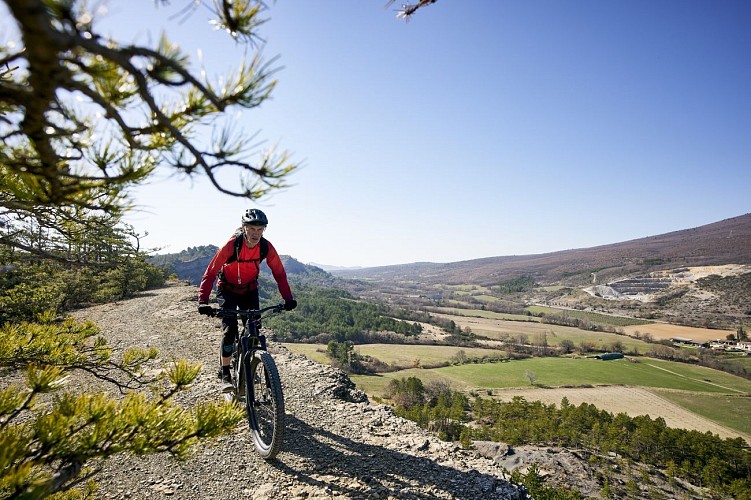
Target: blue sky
point(479, 128)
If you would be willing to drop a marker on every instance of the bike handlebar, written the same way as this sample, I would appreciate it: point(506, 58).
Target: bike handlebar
point(228, 313)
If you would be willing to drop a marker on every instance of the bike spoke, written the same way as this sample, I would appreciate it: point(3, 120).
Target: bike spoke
point(265, 405)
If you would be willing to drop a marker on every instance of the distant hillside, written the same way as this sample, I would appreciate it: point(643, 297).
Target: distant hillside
point(724, 242)
point(190, 264)
point(329, 268)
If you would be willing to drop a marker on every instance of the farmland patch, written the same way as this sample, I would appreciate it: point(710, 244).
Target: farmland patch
point(667, 331)
point(500, 329)
point(633, 401)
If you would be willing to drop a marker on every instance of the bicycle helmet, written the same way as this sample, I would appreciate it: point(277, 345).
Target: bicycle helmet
point(255, 217)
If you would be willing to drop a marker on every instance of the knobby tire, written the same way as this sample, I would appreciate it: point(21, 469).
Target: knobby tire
point(264, 404)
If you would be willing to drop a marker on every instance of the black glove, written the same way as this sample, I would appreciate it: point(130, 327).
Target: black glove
point(290, 304)
point(205, 309)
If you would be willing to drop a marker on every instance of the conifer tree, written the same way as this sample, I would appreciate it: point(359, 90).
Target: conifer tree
point(83, 119)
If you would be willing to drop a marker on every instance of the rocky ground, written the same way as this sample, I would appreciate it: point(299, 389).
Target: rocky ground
point(338, 444)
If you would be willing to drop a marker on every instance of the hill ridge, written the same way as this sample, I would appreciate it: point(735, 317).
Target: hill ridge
point(723, 242)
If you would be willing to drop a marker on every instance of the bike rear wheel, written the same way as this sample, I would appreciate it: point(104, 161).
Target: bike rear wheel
point(264, 404)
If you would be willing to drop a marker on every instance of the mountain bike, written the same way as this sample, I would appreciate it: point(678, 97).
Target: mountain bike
point(257, 386)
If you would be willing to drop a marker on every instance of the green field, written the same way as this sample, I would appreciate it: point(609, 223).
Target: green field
point(601, 319)
point(315, 352)
point(485, 298)
point(715, 395)
point(425, 355)
point(498, 329)
point(593, 317)
point(480, 313)
point(464, 288)
point(401, 355)
point(727, 409)
point(740, 361)
point(553, 372)
point(556, 372)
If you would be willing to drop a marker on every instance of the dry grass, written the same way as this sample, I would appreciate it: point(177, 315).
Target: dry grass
point(666, 331)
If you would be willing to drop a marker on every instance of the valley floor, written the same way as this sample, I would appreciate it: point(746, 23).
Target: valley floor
point(633, 401)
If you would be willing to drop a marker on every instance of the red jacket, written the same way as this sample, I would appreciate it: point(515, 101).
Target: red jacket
point(242, 274)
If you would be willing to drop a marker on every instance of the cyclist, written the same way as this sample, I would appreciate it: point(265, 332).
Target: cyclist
point(237, 263)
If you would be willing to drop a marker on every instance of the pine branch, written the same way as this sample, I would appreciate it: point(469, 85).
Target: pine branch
point(408, 10)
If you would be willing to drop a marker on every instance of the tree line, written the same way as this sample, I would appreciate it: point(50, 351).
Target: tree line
point(89, 267)
point(325, 314)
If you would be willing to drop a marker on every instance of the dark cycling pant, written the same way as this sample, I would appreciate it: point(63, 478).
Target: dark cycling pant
point(231, 300)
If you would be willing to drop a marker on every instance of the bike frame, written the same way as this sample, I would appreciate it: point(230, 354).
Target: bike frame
point(262, 397)
point(250, 318)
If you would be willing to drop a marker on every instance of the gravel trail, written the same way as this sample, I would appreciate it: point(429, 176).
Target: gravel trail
point(338, 445)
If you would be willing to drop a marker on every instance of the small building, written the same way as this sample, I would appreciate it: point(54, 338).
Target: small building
point(610, 355)
point(686, 342)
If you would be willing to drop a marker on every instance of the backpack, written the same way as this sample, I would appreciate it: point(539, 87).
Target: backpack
point(239, 244)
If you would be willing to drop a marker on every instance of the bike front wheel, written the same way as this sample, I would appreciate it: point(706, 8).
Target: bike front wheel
point(264, 403)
